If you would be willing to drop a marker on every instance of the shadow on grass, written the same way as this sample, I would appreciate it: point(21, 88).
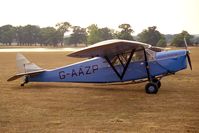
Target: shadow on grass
point(86, 86)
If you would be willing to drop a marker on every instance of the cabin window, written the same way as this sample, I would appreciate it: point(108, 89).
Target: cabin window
point(137, 56)
point(150, 54)
point(120, 59)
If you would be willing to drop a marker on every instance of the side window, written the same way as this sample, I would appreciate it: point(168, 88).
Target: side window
point(138, 56)
point(120, 58)
point(150, 54)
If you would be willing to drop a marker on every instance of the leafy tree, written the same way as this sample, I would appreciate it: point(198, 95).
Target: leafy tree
point(27, 35)
point(49, 35)
point(20, 35)
point(62, 28)
point(169, 38)
point(78, 36)
point(150, 36)
point(30, 34)
point(125, 33)
point(195, 40)
point(162, 42)
point(94, 35)
point(106, 33)
point(178, 40)
point(7, 33)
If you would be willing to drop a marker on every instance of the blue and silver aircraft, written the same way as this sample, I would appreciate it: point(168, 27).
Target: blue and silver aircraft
point(111, 61)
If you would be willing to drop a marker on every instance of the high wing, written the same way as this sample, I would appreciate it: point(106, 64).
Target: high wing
point(109, 48)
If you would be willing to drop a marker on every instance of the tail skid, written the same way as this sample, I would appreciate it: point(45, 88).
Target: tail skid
point(25, 68)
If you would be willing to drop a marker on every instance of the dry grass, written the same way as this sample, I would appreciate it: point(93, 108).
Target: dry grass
point(90, 108)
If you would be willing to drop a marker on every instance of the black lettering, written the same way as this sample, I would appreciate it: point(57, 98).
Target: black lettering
point(74, 73)
point(62, 75)
point(88, 69)
point(95, 68)
point(81, 71)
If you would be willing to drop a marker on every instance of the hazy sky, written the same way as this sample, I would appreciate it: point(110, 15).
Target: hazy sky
point(170, 16)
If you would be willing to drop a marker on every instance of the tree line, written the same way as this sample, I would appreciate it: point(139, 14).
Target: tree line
point(31, 35)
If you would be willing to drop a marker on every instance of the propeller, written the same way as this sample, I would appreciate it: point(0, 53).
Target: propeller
point(188, 54)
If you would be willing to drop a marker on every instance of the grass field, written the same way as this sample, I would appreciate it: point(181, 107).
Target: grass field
point(91, 108)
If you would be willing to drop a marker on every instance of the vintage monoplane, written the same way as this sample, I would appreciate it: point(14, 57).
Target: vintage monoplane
point(111, 61)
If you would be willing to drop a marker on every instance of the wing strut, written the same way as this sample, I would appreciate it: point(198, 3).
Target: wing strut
point(125, 65)
point(147, 66)
point(120, 61)
point(115, 70)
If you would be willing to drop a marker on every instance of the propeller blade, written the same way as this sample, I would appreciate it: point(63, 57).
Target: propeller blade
point(185, 42)
point(189, 60)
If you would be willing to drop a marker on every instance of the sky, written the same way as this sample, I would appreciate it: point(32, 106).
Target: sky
point(170, 16)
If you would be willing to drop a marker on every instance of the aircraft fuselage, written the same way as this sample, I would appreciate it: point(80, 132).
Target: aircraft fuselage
point(98, 70)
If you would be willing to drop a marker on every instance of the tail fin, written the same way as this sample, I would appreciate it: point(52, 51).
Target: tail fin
point(25, 67)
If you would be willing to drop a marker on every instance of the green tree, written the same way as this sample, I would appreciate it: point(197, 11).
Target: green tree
point(49, 36)
point(78, 36)
point(106, 33)
point(94, 35)
point(62, 28)
point(7, 34)
point(150, 36)
point(195, 40)
point(126, 32)
point(20, 39)
point(162, 42)
point(178, 40)
point(30, 34)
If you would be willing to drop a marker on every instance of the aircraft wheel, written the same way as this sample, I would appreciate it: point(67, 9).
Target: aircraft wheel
point(151, 88)
point(22, 85)
point(25, 81)
point(156, 81)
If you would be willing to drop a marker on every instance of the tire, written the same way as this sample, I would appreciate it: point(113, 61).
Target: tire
point(157, 82)
point(26, 80)
point(151, 88)
point(22, 85)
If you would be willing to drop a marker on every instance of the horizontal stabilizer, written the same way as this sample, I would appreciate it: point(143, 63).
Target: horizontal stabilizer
point(24, 74)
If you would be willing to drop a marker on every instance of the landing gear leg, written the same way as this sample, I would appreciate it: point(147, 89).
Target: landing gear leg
point(157, 82)
point(154, 84)
point(25, 81)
